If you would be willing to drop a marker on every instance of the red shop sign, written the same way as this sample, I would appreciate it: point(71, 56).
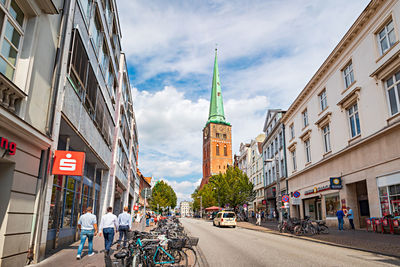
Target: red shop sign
point(68, 163)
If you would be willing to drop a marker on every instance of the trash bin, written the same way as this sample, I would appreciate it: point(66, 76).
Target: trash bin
point(387, 226)
point(378, 225)
point(396, 225)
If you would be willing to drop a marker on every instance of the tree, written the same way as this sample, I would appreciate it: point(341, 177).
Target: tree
point(232, 188)
point(162, 196)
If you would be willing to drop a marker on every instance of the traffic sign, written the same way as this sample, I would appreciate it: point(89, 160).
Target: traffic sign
point(296, 194)
point(285, 198)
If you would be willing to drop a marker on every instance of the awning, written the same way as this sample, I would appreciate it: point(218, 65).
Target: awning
point(213, 208)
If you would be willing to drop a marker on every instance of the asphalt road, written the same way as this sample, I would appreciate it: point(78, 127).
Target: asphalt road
point(243, 247)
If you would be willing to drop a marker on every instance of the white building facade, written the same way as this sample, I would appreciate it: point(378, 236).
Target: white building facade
point(255, 171)
point(345, 124)
point(185, 209)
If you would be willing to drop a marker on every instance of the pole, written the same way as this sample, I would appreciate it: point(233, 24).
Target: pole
point(201, 206)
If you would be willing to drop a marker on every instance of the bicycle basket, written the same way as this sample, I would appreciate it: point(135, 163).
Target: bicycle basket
point(193, 241)
point(176, 243)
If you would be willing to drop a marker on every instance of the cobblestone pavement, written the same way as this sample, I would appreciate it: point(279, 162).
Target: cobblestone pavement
point(358, 239)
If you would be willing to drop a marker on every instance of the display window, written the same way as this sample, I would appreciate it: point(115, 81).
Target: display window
point(389, 197)
point(332, 204)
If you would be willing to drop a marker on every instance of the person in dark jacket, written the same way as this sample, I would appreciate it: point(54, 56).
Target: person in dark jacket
point(340, 215)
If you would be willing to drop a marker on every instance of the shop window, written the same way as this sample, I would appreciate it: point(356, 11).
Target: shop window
point(332, 203)
point(390, 200)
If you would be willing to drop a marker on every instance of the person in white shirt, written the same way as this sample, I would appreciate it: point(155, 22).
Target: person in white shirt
point(108, 226)
point(125, 224)
point(87, 224)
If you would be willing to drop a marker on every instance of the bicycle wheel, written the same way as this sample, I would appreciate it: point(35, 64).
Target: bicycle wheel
point(324, 229)
point(180, 257)
point(191, 255)
point(298, 230)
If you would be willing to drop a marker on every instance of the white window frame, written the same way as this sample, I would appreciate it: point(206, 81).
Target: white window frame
point(291, 127)
point(294, 163)
point(20, 30)
point(353, 114)
point(348, 75)
point(387, 31)
point(395, 86)
point(322, 100)
point(326, 136)
point(307, 146)
point(304, 116)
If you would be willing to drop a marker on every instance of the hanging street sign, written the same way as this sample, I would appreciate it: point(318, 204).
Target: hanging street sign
point(68, 163)
point(336, 182)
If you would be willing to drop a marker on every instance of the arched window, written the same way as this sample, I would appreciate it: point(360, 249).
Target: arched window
point(225, 151)
point(217, 150)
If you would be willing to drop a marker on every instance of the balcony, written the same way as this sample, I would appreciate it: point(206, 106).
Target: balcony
point(10, 95)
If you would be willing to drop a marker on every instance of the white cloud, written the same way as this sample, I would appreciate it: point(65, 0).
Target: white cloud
point(268, 50)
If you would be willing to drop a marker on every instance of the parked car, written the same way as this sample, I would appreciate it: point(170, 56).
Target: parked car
point(225, 218)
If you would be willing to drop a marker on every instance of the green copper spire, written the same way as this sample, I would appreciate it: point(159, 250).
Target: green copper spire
point(216, 113)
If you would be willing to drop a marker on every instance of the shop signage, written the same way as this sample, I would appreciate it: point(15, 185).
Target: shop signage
point(336, 182)
point(10, 147)
point(317, 189)
point(68, 163)
point(296, 201)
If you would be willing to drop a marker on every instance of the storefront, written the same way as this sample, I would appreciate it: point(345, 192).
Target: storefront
point(389, 194)
point(270, 196)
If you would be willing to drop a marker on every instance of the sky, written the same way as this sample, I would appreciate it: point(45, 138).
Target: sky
point(267, 52)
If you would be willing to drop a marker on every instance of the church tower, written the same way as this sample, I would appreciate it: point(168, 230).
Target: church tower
point(217, 134)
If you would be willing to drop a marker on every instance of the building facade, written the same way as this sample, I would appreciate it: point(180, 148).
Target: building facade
point(217, 135)
point(274, 158)
point(255, 172)
point(28, 43)
point(343, 129)
point(185, 209)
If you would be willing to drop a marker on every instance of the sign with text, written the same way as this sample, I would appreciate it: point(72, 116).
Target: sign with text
point(10, 147)
point(68, 163)
point(336, 182)
point(296, 201)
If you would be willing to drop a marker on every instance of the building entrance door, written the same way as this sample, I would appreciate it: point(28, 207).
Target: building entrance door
point(319, 209)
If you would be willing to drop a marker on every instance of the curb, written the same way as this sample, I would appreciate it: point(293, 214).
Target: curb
point(202, 261)
point(322, 242)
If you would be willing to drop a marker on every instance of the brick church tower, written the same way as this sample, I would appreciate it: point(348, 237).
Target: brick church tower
point(217, 134)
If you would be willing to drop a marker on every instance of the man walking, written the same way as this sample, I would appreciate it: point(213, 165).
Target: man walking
point(350, 216)
point(125, 224)
point(108, 226)
point(87, 224)
point(258, 217)
point(340, 215)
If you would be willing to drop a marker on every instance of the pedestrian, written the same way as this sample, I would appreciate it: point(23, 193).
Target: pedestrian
point(125, 225)
point(258, 217)
point(262, 216)
point(340, 215)
point(147, 219)
point(350, 216)
point(87, 224)
point(108, 226)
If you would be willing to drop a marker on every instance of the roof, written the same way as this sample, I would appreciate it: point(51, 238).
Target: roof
point(216, 112)
point(148, 179)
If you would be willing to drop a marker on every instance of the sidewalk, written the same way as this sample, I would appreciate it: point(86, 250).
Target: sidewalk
point(386, 244)
point(66, 257)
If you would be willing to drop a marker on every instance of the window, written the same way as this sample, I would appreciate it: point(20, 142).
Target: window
point(276, 145)
point(393, 93)
point(386, 37)
point(86, 7)
point(224, 136)
point(308, 150)
point(12, 22)
point(322, 100)
point(354, 120)
point(217, 150)
point(291, 127)
point(332, 204)
point(282, 168)
point(217, 135)
point(348, 75)
point(305, 118)
point(280, 140)
point(294, 159)
point(225, 151)
point(96, 32)
point(327, 138)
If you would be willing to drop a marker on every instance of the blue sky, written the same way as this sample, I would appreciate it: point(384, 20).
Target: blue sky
point(267, 52)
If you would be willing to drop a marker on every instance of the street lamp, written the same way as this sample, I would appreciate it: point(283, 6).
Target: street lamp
point(219, 204)
point(201, 206)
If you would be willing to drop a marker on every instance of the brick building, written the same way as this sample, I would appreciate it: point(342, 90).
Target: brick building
point(217, 134)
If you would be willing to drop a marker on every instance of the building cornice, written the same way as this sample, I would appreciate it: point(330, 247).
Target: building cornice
point(351, 34)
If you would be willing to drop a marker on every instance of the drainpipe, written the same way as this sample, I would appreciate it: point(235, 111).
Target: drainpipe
point(285, 162)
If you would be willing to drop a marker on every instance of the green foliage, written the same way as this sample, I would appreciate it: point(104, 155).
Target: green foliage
point(163, 195)
point(232, 188)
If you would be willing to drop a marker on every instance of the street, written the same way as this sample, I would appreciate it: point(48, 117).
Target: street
point(242, 247)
